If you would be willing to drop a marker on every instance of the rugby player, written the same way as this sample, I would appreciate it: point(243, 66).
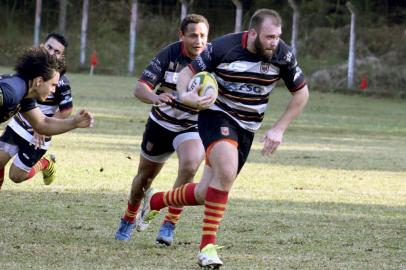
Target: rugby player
point(37, 76)
point(20, 140)
point(246, 65)
point(171, 126)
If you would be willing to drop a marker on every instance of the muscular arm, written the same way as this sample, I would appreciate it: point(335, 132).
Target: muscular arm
point(52, 126)
point(185, 76)
point(63, 114)
point(293, 109)
point(38, 139)
point(273, 137)
point(146, 95)
point(191, 98)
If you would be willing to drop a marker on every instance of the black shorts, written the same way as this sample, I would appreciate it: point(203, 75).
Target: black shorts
point(216, 125)
point(27, 153)
point(158, 143)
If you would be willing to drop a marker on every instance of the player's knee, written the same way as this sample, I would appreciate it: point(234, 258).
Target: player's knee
point(143, 178)
point(189, 168)
point(226, 178)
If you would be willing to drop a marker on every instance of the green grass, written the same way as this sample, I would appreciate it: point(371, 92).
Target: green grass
point(332, 197)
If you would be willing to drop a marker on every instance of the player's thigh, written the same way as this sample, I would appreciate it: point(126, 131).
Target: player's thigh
point(223, 158)
point(190, 150)
point(156, 143)
point(4, 159)
point(8, 146)
point(219, 134)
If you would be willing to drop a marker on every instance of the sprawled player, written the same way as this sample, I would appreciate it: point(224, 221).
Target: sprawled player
point(37, 76)
point(171, 126)
point(247, 66)
point(20, 140)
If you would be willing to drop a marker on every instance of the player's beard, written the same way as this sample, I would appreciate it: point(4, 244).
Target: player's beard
point(264, 54)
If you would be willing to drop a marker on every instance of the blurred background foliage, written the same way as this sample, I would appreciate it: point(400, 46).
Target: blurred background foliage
point(322, 42)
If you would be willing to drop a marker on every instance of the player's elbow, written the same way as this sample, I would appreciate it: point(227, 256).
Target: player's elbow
point(141, 90)
point(65, 113)
point(303, 93)
point(42, 127)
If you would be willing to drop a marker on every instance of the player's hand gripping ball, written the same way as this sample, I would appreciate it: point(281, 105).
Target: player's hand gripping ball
point(206, 82)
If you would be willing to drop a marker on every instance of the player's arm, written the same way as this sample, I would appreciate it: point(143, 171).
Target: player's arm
point(273, 137)
point(145, 94)
point(64, 97)
point(184, 78)
point(38, 139)
point(52, 126)
point(63, 114)
point(152, 76)
point(191, 98)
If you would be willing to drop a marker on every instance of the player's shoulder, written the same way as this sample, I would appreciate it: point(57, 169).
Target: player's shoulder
point(167, 54)
point(173, 48)
point(10, 78)
point(227, 43)
point(229, 40)
point(5, 76)
point(63, 80)
point(284, 54)
point(14, 82)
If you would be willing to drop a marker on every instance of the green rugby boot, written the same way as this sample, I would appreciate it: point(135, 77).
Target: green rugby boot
point(48, 174)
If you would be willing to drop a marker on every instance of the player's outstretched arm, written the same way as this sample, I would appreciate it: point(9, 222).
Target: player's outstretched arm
point(38, 139)
point(52, 126)
point(273, 137)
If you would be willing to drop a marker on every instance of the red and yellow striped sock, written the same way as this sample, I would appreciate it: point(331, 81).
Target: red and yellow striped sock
point(173, 214)
point(214, 207)
point(180, 196)
point(131, 212)
point(1, 177)
point(42, 164)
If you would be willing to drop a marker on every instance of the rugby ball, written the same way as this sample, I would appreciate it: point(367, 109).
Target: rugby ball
point(206, 82)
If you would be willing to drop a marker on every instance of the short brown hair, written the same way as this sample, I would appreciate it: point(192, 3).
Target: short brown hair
point(192, 18)
point(37, 62)
point(259, 16)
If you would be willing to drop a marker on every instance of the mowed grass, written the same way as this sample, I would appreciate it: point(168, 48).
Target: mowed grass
point(332, 197)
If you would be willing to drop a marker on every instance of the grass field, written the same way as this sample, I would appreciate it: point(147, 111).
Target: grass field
point(332, 197)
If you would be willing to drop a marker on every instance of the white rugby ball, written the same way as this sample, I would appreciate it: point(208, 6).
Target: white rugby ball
point(206, 82)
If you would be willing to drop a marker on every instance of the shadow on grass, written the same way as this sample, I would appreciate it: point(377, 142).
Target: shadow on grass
point(370, 158)
point(76, 231)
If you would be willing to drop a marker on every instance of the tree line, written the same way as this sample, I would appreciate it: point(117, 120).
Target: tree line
point(111, 33)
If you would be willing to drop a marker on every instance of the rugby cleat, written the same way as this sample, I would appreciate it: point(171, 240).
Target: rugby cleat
point(48, 174)
point(208, 258)
point(125, 230)
point(146, 215)
point(165, 234)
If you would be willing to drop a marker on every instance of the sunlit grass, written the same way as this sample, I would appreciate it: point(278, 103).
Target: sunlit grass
point(332, 197)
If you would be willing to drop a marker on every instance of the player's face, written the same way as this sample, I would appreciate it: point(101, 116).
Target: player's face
point(54, 47)
point(267, 39)
point(194, 39)
point(44, 88)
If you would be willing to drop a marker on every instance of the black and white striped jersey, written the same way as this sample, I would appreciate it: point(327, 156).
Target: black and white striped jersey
point(245, 81)
point(162, 74)
point(60, 100)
